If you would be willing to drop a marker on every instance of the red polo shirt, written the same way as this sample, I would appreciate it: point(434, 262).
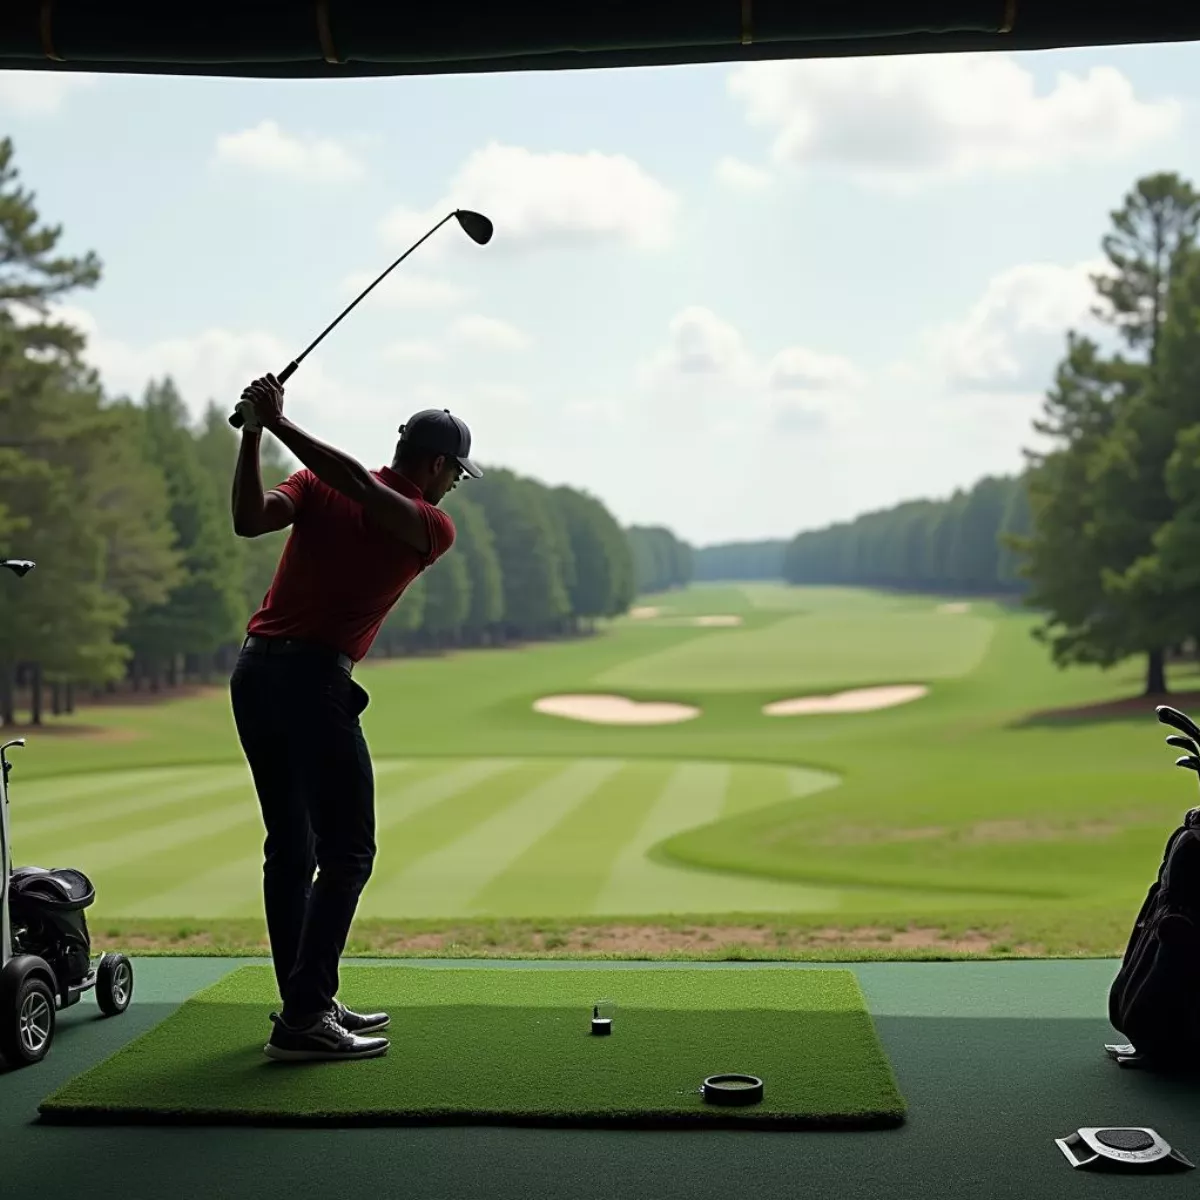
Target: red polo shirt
point(339, 574)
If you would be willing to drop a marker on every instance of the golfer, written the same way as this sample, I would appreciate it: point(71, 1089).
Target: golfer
point(358, 539)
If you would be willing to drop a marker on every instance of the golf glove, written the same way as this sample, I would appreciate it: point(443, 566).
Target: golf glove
point(251, 423)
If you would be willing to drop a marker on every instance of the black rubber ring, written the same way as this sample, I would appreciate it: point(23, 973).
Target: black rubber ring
point(733, 1089)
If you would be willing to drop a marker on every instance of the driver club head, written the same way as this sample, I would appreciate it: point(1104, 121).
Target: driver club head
point(1177, 720)
point(18, 566)
point(478, 227)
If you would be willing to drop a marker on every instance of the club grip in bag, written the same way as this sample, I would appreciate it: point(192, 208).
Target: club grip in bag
point(236, 419)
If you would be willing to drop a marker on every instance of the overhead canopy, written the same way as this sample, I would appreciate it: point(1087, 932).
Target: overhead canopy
point(339, 38)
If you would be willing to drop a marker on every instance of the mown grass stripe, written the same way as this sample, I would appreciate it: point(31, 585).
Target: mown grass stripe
point(443, 883)
point(439, 780)
point(84, 820)
point(190, 809)
point(564, 870)
point(694, 795)
point(73, 790)
point(232, 886)
point(437, 826)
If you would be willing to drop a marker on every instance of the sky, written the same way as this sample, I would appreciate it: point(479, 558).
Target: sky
point(738, 300)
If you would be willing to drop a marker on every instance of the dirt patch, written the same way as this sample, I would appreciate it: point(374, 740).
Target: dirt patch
point(954, 609)
point(619, 938)
point(981, 833)
point(860, 700)
point(644, 613)
point(614, 710)
point(92, 733)
point(128, 698)
point(1037, 831)
point(718, 620)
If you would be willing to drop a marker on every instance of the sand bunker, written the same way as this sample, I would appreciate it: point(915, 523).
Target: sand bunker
point(718, 620)
point(614, 710)
point(644, 613)
point(862, 700)
point(954, 608)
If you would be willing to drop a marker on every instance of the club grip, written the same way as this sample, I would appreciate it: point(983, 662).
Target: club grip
point(236, 418)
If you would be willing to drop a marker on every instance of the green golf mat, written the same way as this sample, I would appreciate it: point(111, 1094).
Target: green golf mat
point(514, 1047)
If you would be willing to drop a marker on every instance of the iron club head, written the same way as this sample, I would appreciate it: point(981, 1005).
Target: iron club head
point(1184, 743)
point(18, 566)
point(1177, 720)
point(1190, 761)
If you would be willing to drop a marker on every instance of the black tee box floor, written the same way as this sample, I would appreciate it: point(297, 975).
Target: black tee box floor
point(995, 1059)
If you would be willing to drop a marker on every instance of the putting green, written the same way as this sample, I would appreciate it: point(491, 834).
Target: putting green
point(514, 1047)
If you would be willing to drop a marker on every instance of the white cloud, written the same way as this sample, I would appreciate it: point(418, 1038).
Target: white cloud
point(216, 364)
point(40, 93)
point(902, 121)
point(800, 369)
point(538, 198)
point(1013, 336)
point(412, 352)
point(402, 289)
point(741, 176)
point(705, 378)
point(266, 148)
point(489, 333)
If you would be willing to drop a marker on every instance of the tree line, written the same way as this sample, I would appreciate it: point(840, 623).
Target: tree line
point(661, 561)
point(141, 581)
point(1113, 555)
point(1101, 531)
point(740, 560)
point(956, 544)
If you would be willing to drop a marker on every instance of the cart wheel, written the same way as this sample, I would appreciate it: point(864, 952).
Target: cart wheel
point(114, 984)
point(27, 1023)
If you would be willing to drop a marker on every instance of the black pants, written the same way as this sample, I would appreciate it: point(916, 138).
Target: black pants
point(297, 716)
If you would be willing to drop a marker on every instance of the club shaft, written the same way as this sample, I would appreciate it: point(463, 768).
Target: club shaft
point(300, 358)
point(236, 419)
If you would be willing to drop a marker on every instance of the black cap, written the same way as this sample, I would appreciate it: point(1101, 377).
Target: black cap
point(435, 429)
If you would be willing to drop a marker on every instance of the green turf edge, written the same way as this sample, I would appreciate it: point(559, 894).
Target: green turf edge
point(52, 1111)
point(1051, 931)
point(52, 1114)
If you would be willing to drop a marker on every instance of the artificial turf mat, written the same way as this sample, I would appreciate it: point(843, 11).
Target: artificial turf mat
point(514, 1047)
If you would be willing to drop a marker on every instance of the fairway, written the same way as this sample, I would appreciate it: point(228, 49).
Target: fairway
point(963, 800)
point(825, 648)
point(485, 836)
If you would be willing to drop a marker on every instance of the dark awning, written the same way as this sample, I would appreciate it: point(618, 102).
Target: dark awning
point(333, 38)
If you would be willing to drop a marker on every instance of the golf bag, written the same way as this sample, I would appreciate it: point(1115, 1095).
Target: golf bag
point(1155, 999)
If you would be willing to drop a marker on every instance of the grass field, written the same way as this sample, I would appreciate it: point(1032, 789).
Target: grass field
point(964, 822)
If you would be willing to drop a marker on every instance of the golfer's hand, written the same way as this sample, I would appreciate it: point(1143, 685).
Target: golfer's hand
point(250, 421)
point(265, 396)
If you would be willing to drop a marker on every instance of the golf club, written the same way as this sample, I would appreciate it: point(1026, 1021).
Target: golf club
point(1184, 743)
point(478, 228)
point(18, 566)
point(1177, 720)
point(1190, 761)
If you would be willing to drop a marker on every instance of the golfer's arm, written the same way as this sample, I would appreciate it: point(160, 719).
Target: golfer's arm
point(256, 513)
point(396, 513)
